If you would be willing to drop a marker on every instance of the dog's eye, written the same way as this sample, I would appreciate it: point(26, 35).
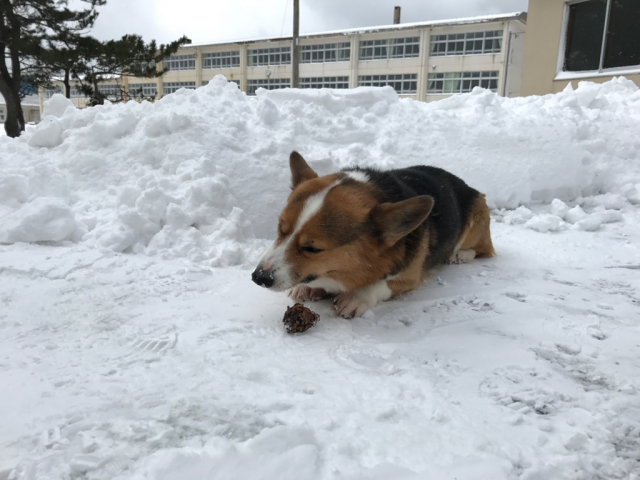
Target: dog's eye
point(311, 249)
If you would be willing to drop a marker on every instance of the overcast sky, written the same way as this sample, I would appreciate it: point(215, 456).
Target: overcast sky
point(220, 20)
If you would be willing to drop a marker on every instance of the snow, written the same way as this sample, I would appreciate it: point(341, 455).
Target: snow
point(133, 344)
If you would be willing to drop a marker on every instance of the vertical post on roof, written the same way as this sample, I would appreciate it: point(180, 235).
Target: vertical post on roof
point(396, 15)
point(295, 50)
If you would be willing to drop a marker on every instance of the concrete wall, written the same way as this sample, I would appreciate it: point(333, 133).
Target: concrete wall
point(540, 70)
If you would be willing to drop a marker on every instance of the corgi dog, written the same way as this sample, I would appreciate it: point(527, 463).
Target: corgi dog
point(365, 235)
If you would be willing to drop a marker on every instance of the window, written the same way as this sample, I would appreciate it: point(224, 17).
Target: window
point(390, 48)
point(142, 66)
point(142, 90)
point(221, 59)
point(329, 52)
point(587, 29)
point(269, 84)
point(324, 82)
point(206, 82)
point(2, 115)
point(180, 62)
point(470, 43)
point(461, 82)
point(269, 56)
point(112, 92)
point(76, 92)
point(405, 84)
point(171, 87)
point(50, 92)
point(34, 115)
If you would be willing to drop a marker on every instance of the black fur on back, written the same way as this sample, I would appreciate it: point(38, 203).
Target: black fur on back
point(453, 202)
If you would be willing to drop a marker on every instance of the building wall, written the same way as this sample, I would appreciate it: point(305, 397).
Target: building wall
point(423, 65)
point(540, 74)
point(31, 113)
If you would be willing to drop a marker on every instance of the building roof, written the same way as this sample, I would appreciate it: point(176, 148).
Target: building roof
point(29, 101)
point(521, 16)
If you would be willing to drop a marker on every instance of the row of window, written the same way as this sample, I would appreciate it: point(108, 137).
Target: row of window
point(268, 83)
point(143, 89)
point(221, 59)
point(269, 56)
point(461, 82)
point(324, 82)
point(328, 52)
point(403, 84)
point(391, 48)
point(472, 43)
point(180, 62)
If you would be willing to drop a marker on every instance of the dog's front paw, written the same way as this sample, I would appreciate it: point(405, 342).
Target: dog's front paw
point(463, 256)
point(303, 293)
point(350, 304)
point(355, 303)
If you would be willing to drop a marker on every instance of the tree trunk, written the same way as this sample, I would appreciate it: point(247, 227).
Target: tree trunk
point(67, 84)
point(10, 82)
point(14, 123)
point(98, 97)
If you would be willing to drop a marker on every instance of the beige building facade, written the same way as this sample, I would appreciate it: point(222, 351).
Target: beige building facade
point(30, 109)
point(426, 61)
point(571, 41)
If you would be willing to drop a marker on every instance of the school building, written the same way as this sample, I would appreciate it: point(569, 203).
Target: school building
point(426, 61)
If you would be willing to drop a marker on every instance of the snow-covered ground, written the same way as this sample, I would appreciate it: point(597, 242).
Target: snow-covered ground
point(133, 344)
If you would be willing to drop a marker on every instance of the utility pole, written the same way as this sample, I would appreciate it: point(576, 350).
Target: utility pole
point(295, 51)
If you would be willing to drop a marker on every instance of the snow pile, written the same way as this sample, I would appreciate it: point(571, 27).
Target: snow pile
point(562, 217)
point(203, 174)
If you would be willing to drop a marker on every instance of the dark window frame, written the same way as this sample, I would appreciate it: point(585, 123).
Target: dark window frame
point(605, 40)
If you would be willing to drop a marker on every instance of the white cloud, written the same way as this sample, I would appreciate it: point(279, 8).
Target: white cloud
point(216, 21)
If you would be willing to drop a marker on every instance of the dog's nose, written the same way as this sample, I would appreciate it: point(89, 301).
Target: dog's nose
point(262, 278)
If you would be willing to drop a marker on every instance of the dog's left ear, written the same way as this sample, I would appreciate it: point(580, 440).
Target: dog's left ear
point(300, 170)
point(396, 220)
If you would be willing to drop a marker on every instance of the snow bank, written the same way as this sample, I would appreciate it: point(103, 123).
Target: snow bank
point(203, 174)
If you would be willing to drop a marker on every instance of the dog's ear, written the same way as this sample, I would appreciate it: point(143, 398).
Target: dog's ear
point(392, 221)
point(300, 171)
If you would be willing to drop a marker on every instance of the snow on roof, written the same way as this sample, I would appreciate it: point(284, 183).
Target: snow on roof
point(29, 101)
point(401, 26)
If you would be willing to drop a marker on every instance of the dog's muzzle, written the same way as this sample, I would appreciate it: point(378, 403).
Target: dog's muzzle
point(264, 278)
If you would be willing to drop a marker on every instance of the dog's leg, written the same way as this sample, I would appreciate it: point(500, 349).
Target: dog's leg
point(302, 293)
point(355, 303)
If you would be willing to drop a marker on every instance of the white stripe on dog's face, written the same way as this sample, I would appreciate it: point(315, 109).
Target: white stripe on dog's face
point(280, 271)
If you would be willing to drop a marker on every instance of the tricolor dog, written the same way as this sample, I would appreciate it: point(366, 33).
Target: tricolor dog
point(366, 235)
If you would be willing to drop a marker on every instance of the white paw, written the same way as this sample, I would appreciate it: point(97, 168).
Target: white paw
point(355, 303)
point(463, 256)
point(349, 305)
point(303, 293)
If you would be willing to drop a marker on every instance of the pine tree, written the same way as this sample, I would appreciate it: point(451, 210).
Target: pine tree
point(129, 56)
point(25, 27)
